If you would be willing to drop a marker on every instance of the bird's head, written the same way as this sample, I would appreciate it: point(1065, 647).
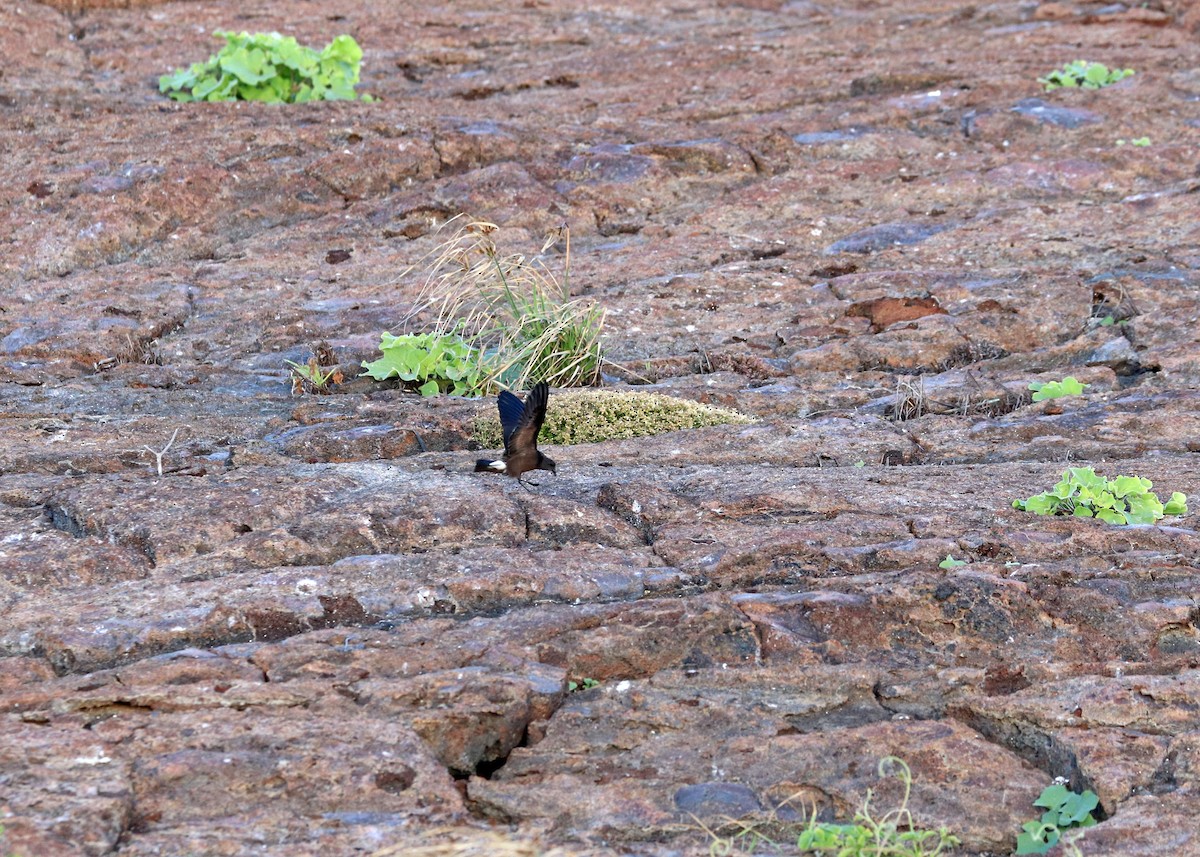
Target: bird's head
point(545, 462)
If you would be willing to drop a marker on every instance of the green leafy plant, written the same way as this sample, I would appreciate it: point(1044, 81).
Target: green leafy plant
point(1137, 141)
point(1065, 810)
point(1085, 494)
point(892, 835)
point(430, 363)
point(857, 840)
point(515, 310)
point(592, 416)
point(582, 684)
point(269, 67)
point(1081, 73)
point(950, 562)
point(1068, 386)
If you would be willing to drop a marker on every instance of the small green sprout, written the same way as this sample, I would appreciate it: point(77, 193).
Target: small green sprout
point(1065, 810)
point(269, 67)
point(429, 363)
point(1081, 73)
point(950, 562)
point(582, 684)
point(1085, 494)
point(1068, 386)
point(311, 378)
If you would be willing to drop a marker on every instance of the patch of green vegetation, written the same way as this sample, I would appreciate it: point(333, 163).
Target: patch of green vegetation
point(892, 835)
point(1085, 494)
point(950, 562)
point(515, 310)
point(269, 67)
point(430, 363)
point(582, 684)
point(1065, 810)
point(312, 378)
point(1137, 141)
point(858, 840)
point(591, 416)
point(1068, 386)
point(1081, 73)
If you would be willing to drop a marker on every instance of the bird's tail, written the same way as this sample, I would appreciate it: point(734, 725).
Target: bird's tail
point(482, 464)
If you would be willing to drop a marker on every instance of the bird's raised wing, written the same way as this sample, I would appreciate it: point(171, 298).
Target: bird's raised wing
point(533, 414)
point(511, 410)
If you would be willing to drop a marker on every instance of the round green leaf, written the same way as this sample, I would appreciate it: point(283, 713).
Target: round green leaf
point(1177, 505)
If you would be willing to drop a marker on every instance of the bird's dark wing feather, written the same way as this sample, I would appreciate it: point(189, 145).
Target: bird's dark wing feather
point(511, 411)
point(524, 435)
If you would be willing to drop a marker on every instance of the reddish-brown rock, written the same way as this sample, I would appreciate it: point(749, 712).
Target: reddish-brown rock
point(242, 619)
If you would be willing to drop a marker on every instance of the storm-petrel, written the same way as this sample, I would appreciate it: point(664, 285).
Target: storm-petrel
point(521, 422)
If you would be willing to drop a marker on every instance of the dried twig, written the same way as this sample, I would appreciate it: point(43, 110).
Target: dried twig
point(158, 456)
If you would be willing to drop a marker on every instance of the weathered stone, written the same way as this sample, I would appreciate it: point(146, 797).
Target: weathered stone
point(1139, 828)
point(1115, 763)
point(469, 717)
point(885, 235)
point(811, 744)
point(722, 800)
point(224, 601)
point(62, 794)
point(1145, 703)
point(972, 776)
point(1065, 117)
point(1182, 765)
point(357, 590)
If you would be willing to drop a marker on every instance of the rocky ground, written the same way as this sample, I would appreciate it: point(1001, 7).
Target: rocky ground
point(316, 631)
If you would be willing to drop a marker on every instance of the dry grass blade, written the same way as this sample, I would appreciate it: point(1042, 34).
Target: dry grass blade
point(514, 310)
point(910, 401)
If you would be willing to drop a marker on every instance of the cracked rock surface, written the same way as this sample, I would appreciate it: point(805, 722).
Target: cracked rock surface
point(236, 621)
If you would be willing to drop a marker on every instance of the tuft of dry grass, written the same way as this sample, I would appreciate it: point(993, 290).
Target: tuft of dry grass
point(514, 310)
point(910, 401)
point(591, 416)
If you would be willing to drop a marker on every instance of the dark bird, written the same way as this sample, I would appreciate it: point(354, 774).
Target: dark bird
point(521, 422)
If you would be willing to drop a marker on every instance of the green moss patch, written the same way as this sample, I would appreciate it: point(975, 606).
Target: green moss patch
point(591, 416)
